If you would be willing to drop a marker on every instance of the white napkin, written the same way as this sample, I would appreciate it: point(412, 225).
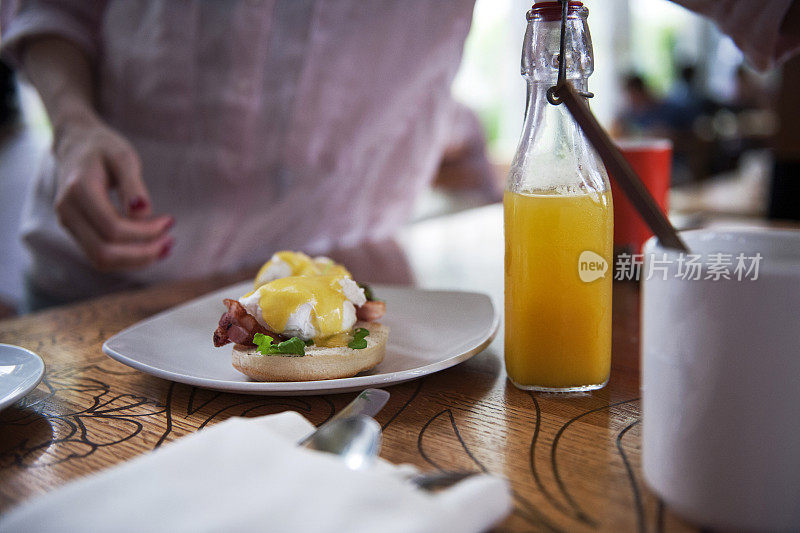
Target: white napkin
point(247, 474)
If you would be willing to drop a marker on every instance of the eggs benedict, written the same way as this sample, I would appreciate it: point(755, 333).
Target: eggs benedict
point(313, 323)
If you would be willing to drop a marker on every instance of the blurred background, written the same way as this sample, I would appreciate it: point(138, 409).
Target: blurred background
point(660, 71)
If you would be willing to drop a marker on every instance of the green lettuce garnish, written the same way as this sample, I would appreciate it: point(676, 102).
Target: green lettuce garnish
point(265, 346)
point(359, 341)
point(368, 294)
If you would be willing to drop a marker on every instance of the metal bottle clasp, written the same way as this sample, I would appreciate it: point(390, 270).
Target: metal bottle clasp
point(562, 63)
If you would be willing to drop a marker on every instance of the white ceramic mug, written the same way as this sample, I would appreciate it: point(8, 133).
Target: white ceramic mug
point(721, 379)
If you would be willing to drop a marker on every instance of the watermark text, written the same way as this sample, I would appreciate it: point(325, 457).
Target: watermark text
point(692, 267)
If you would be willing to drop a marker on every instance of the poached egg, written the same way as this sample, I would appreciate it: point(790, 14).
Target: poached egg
point(312, 307)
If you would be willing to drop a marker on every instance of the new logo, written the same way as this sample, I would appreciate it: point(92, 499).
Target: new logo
point(591, 266)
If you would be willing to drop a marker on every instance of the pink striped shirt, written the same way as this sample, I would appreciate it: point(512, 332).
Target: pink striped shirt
point(261, 124)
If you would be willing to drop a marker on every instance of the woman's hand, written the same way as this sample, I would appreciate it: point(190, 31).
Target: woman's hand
point(92, 161)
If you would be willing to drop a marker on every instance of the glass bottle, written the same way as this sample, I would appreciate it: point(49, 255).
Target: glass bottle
point(558, 224)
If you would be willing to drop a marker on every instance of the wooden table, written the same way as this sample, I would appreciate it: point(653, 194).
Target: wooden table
point(573, 460)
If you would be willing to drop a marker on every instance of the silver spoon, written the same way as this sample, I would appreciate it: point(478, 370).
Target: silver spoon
point(369, 403)
point(357, 440)
point(356, 437)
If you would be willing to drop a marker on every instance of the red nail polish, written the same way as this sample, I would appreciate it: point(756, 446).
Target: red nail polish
point(137, 204)
point(170, 223)
point(166, 250)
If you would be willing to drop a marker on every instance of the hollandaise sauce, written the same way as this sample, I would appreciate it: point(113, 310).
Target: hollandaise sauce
point(288, 263)
point(334, 341)
point(316, 302)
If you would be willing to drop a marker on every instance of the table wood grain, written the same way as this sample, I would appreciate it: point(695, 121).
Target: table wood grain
point(574, 461)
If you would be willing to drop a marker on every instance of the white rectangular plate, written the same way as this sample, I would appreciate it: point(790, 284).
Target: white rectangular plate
point(430, 331)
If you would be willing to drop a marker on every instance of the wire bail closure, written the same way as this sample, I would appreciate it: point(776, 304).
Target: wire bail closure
point(552, 97)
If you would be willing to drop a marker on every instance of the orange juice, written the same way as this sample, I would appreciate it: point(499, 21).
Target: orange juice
point(558, 318)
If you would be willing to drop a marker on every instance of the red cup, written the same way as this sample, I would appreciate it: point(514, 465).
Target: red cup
point(651, 159)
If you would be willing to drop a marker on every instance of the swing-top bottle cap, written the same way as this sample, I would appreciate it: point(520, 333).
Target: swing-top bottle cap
point(551, 10)
point(542, 44)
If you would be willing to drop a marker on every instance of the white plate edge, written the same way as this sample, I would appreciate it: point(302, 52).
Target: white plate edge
point(18, 395)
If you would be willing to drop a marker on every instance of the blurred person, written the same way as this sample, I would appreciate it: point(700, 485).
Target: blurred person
point(684, 102)
point(9, 101)
point(683, 105)
point(9, 117)
point(784, 198)
point(768, 33)
point(642, 113)
point(199, 138)
point(683, 90)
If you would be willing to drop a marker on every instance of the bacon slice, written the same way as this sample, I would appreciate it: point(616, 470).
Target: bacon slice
point(238, 326)
point(371, 311)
